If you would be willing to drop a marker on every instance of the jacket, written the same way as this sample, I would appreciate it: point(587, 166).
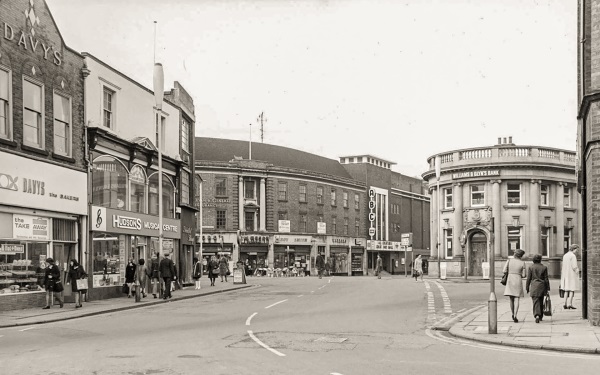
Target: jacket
point(320, 263)
point(51, 276)
point(166, 268)
point(130, 272)
point(537, 280)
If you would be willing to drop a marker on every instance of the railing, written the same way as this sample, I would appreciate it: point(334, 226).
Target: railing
point(518, 151)
point(571, 157)
point(475, 154)
point(550, 154)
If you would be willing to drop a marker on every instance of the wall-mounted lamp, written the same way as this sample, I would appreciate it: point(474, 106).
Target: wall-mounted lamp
point(547, 222)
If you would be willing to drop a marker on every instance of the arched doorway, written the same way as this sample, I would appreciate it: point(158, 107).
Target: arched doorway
point(477, 253)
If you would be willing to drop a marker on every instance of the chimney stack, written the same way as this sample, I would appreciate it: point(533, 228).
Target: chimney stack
point(510, 140)
point(504, 140)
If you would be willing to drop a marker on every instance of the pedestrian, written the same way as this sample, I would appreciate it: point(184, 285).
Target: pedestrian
point(197, 273)
point(320, 264)
point(418, 268)
point(167, 272)
point(514, 283)
point(142, 274)
point(537, 286)
point(223, 268)
point(52, 284)
point(213, 270)
point(154, 275)
point(130, 275)
point(378, 267)
point(569, 276)
point(76, 272)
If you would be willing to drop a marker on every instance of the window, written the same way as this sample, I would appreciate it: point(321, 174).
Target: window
point(109, 183)
point(448, 198)
point(319, 194)
point(33, 131)
point(477, 195)
point(282, 191)
point(250, 189)
point(250, 217)
point(514, 193)
point(303, 222)
point(108, 108)
point(545, 236)
point(5, 118)
point(185, 187)
point(221, 219)
point(346, 223)
point(302, 193)
point(137, 190)
point(334, 225)
point(357, 227)
point(448, 243)
point(185, 135)
point(221, 186)
point(356, 201)
point(168, 196)
point(514, 240)
point(567, 197)
point(544, 195)
point(62, 125)
point(333, 197)
point(345, 199)
point(567, 240)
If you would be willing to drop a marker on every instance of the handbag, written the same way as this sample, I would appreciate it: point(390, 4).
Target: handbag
point(547, 305)
point(82, 284)
point(125, 289)
point(58, 287)
point(505, 276)
point(561, 292)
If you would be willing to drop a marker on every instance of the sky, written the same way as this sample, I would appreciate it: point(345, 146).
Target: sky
point(400, 80)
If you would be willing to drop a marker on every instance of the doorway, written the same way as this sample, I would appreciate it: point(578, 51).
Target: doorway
point(477, 253)
point(63, 253)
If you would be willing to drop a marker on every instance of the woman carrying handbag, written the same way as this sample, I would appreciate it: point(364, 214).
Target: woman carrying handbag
point(538, 286)
point(76, 272)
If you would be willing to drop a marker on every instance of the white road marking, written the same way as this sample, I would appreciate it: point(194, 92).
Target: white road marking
point(445, 298)
point(323, 286)
point(250, 318)
point(329, 281)
point(301, 295)
point(264, 345)
point(276, 303)
point(26, 329)
point(430, 304)
point(312, 291)
point(335, 373)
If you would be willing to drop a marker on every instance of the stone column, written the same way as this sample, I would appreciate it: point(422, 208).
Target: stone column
point(560, 222)
point(497, 215)
point(241, 203)
point(458, 219)
point(263, 206)
point(434, 224)
point(534, 219)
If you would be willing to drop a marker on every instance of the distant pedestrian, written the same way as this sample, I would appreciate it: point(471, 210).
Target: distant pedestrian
point(569, 276)
point(141, 278)
point(213, 270)
point(76, 272)
point(537, 286)
point(320, 264)
point(418, 268)
point(52, 283)
point(197, 272)
point(514, 284)
point(130, 275)
point(154, 275)
point(378, 266)
point(223, 268)
point(167, 272)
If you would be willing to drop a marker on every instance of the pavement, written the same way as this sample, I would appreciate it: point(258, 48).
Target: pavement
point(564, 331)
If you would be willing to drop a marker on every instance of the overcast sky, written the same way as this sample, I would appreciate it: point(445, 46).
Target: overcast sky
point(401, 80)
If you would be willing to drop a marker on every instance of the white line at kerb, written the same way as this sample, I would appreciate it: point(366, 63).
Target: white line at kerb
point(276, 303)
point(26, 329)
point(264, 346)
point(250, 318)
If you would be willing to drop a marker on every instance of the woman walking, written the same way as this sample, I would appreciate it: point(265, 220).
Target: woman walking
point(223, 268)
point(52, 283)
point(197, 272)
point(154, 274)
point(514, 284)
point(213, 270)
point(569, 276)
point(142, 275)
point(76, 272)
point(537, 286)
point(130, 276)
point(418, 268)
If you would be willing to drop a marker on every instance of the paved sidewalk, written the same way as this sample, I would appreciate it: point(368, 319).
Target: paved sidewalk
point(564, 331)
point(38, 315)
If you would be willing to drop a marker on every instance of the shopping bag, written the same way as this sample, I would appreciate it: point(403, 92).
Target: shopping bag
point(82, 284)
point(547, 306)
point(561, 292)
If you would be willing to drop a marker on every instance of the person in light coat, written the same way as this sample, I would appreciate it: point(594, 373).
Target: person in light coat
point(514, 283)
point(537, 286)
point(141, 277)
point(378, 266)
point(569, 276)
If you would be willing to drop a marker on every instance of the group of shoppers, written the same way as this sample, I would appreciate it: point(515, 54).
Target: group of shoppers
point(53, 283)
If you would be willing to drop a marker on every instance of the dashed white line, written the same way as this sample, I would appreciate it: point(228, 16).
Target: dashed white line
point(276, 303)
point(301, 295)
point(445, 298)
point(264, 345)
point(26, 329)
point(322, 286)
point(250, 318)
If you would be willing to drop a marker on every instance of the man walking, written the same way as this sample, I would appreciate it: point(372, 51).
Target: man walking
point(379, 266)
point(320, 264)
point(167, 272)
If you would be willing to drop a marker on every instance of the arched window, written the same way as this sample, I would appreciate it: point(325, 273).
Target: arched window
point(109, 183)
point(168, 193)
point(137, 189)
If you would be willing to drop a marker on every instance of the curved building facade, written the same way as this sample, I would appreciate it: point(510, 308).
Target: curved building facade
point(501, 198)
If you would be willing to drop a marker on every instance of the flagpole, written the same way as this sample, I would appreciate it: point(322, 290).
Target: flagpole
point(250, 144)
point(158, 96)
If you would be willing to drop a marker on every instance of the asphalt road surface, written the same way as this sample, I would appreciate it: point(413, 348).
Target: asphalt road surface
point(303, 325)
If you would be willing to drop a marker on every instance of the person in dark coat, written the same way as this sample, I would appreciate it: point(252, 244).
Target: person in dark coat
point(51, 281)
point(537, 286)
point(167, 272)
point(75, 273)
point(154, 275)
point(223, 268)
point(320, 264)
point(213, 270)
point(197, 273)
point(130, 275)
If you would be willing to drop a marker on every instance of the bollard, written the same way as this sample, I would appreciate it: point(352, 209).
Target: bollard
point(137, 292)
point(466, 270)
point(492, 314)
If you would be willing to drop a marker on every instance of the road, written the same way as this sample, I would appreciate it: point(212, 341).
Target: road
point(340, 325)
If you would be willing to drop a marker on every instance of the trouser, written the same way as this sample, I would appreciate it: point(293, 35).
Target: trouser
point(50, 295)
point(155, 283)
point(320, 273)
point(167, 292)
point(538, 306)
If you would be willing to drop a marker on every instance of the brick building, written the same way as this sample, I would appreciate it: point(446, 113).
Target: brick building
point(588, 140)
point(43, 184)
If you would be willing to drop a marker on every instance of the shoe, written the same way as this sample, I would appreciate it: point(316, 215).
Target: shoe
point(128, 296)
point(165, 298)
point(170, 297)
point(565, 307)
point(61, 304)
point(572, 308)
point(45, 308)
point(516, 320)
point(77, 306)
point(144, 295)
point(513, 317)
point(537, 320)
point(154, 295)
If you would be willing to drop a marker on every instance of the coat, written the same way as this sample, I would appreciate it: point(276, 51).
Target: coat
point(167, 268)
point(537, 284)
point(197, 271)
point(320, 262)
point(418, 266)
point(130, 273)
point(142, 275)
point(51, 276)
point(223, 266)
point(569, 275)
point(74, 274)
point(379, 265)
point(514, 284)
point(213, 268)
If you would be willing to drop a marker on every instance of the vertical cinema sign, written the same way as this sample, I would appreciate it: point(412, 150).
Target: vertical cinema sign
point(372, 229)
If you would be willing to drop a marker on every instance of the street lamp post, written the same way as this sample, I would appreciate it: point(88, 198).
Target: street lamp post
point(438, 169)
point(158, 96)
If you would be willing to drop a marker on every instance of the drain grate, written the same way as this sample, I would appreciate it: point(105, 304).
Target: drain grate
point(332, 340)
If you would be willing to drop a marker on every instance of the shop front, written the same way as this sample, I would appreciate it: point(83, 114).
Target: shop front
point(186, 251)
point(254, 250)
point(357, 258)
point(214, 245)
point(390, 252)
point(291, 254)
point(339, 256)
point(42, 209)
point(118, 236)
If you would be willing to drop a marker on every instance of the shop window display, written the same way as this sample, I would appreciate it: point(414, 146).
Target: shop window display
point(107, 260)
point(22, 266)
point(339, 262)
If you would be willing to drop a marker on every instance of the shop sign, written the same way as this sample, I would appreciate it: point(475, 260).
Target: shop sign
point(292, 240)
point(484, 173)
point(11, 249)
point(383, 245)
point(321, 228)
point(31, 227)
point(250, 239)
point(213, 202)
point(35, 184)
point(284, 226)
point(339, 240)
point(358, 242)
point(105, 219)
